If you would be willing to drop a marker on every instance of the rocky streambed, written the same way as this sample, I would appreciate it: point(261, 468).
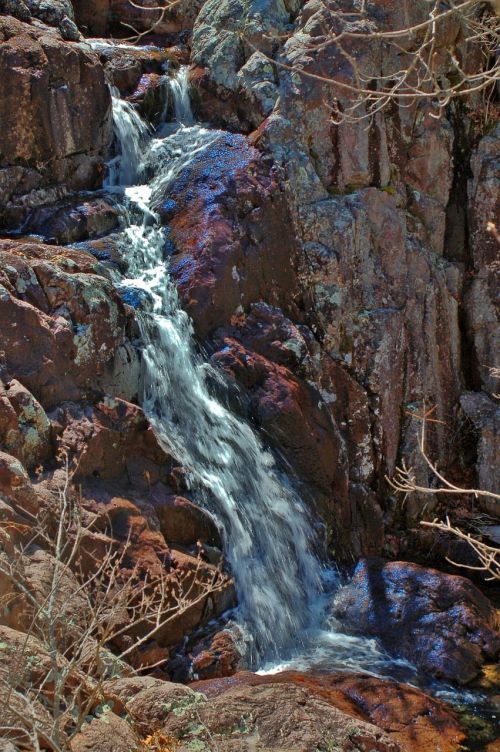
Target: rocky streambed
point(336, 278)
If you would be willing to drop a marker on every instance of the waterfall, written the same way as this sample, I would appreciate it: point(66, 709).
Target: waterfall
point(268, 538)
point(179, 86)
point(131, 135)
point(267, 533)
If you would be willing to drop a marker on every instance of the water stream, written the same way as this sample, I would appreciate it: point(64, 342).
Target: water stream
point(268, 534)
point(283, 589)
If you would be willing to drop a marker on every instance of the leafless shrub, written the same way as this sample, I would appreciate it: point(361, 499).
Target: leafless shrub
point(82, 627)
point(419, 65)
point(404, 483)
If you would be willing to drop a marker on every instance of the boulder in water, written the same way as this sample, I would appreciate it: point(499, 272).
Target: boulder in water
point(441, 623)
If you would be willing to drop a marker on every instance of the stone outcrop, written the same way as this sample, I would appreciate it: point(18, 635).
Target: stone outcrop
point(72, 320)
point(391, 275)
point(411, 719)
point(441, 623)
point(333, 272)
point(66, 335)
point(56, 119)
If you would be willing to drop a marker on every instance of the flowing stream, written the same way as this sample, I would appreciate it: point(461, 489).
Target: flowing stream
point(268, 534)
point(282, 587)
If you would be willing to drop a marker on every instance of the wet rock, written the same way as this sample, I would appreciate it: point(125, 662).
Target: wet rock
point(230, 231)
point(72, 221)
point(441, 623)
point(55, 136)
point(126, 65)
point(287, 410)
point(152, 98)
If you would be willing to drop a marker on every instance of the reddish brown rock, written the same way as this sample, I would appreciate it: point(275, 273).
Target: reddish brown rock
point(441, 623)
point(409, 717)
point(181, 521)
point(107, 733)
point(287, 409)
point(229, 227)
point(55, 136)
point(218, 656)
point(281, 717)
point(60, 322)
point(98, 17)
point(24, 427)
point(111, 439)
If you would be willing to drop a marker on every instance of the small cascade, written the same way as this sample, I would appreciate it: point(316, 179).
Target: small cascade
point(282, 588)
point(266, 530)
point(131, 135)
point(179, 86)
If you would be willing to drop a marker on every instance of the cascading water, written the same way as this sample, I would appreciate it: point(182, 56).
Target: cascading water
point(267, 533)
point(268, 537)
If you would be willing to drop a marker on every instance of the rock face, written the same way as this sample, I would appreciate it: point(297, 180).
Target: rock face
point(340, 274)
point(275, 716)
point(409, 717)
point(221, 265)
point(441, 623)
point(56, 117)
point(71, 319)
point(392, 279)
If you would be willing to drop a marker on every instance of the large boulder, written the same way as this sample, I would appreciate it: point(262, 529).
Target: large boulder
point(411, 718)
point(441, 623)
point(55, 108)
point(61, 321)
point(280, 716)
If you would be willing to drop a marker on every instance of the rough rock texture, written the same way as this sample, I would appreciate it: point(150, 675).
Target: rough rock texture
point(97, 17)
point(276, 717)
point(109, 733)
point(441, 623)
point(66, 335)
point(71, 319)
point(56, 117)
point(392, 276)
point(222, 266)
point(484, 413)
point(411, 718)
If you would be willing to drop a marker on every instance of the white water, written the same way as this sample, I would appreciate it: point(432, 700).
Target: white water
point(283, 605)
point(266, 530)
